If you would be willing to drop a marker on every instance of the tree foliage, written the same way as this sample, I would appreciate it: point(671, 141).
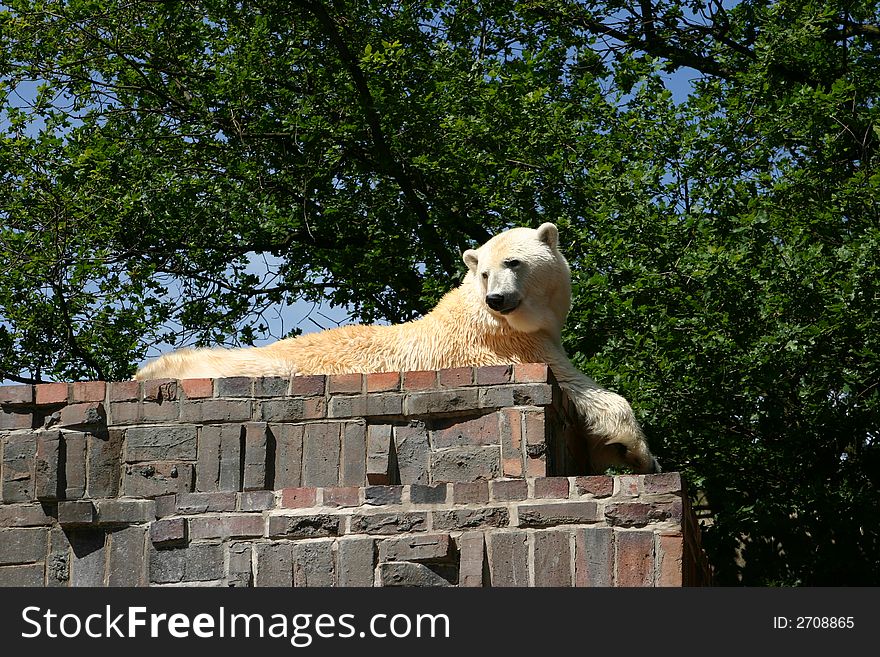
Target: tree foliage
point(724, 245)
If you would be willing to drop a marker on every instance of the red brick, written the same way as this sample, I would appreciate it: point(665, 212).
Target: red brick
point(16, 394)
point(314, 408)
point(342, 496)
point(534, 427)
point(121, 391)
point(307, 386)
point(531, 373)
point(298, 498)
point(491, 375)
point(551, 487)
point(470, 492)
point(420, 380)
point(51, 393)
point(513, 467)
point(536, 467)
point(670, 550)
point(345, 383)
point(197, 388)
point(169, 530)
point(635, 558)
point(505, 490)
point(597, 485)
point(455, 377)
point(88, 391)
point(383, 381)
point(666, 482)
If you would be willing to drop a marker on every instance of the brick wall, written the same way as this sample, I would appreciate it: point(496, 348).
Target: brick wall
point(467, 476)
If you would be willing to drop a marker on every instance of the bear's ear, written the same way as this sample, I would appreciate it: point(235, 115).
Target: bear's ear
point(549, 234)
point(471, 259)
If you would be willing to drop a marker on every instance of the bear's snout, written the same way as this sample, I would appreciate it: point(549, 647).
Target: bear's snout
point(502, 303)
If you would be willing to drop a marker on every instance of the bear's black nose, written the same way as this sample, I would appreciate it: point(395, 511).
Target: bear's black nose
point(495, 301)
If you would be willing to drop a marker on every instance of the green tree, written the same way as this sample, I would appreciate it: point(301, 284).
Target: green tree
point(724, 246)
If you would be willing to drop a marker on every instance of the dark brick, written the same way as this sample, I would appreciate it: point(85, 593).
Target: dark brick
point(20, 576)
point(383, 382)
point(506, 490)
point(219, 464)
point(168, 411)
point(635, 557)
point(342, 496)
point(382, 495)
point(422, 547)
point(307, 386)
point(11, 418)
point(466, 464)
point(200, 562)
point(384, 404)
point(126, 557)
point(215, 502)
point(91, 414)
point(88, 563)
point(239, 572)
point(16, 395)
point(314, 408)
point(298, 498)
point(216, 410)
point(155, 479)
point(379, 454)
point(597, 486)
point(639, 514)
point(168, 531)
point(353, 459)
point(459, 432)
point(76, 512)
point(238, 525)
point(356, 561)
point(552, 558)
point(561, 513)
point(19, 452)
point(508, 558)
point(347, 406)
point(492, 375)
point(166, 505)
point(470, 492)
point(441, 401)
point(235, 386)
point(311, 526)
point(104, 454)
point(160, 443)
point(58, 559)
point(594, 556)
point(125, 511)
point(313, 564)
point(551, 487)
point(25, 515)
point(321, 454)
point(46, 465)
point(274, 564)
point(282, 410)
point(472, 563)
point(256, 500)
point(255, 456)
point(160, 391)
point(271, 386)
point(410, 575)
point(389, 523)
point(74, 464)
point(471, 518)
point(125, 413)
point(427, 494)
point(288, 454)
point(413, 453)
point(23, 545)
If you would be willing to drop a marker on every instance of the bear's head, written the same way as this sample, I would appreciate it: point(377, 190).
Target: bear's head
point(522, 279)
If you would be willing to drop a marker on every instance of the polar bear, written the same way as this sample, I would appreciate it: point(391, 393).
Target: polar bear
point(510, 308)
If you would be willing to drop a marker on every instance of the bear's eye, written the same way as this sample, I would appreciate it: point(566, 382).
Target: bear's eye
point(485, 275)
point(513, 264)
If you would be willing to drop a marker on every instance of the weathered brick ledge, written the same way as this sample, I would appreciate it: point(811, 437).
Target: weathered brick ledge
point(466, 476)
